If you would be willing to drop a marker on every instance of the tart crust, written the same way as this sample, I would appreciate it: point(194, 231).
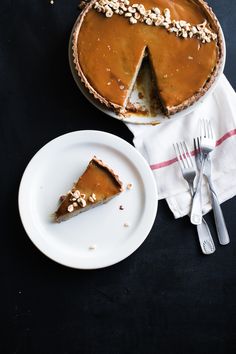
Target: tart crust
point(168, 110)
point(78, 68)
point(110, 170)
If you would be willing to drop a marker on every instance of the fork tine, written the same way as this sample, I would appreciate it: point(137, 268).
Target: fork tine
point(195, 144)
point(198, 145)
point(183, 155)
point(178, 154)
point(190, 158)
point(199, 149)
point(184, 148)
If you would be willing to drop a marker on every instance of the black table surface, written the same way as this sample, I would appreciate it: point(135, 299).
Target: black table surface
point(166, 297)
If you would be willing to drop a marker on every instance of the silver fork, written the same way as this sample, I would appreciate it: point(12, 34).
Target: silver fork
point(207, 144)
point(189, 173)
point(221, 228)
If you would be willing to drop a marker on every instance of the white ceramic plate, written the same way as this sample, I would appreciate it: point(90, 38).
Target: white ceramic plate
point(135, 118)
point(51, 173)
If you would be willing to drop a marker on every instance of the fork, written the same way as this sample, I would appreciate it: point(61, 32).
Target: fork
point(221, 228)
point(207, 144)
point(189, 173)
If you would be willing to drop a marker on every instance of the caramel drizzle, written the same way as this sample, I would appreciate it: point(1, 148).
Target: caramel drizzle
point(137, 13)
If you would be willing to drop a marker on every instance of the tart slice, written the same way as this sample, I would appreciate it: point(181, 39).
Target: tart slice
point(97, 185)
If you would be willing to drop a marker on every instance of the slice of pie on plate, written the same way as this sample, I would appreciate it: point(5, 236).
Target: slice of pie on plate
point(97, 185)
point(181, 38)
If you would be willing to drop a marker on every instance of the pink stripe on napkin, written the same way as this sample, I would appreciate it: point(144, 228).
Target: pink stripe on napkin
point(158, 165)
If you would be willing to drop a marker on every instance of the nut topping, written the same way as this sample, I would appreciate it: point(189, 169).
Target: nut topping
point(137, 13)
point(132, 20)
point(92, 198)
point(156, 10)
point(76, 194)
point(149, 21)
point(82, 202)
point(131, 9)
point(109, 13)
point(70, 208)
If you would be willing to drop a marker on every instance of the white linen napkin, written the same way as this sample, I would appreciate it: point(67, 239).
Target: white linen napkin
point(156, 144)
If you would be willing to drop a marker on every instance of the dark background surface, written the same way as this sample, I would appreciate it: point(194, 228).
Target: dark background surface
point(166, 297)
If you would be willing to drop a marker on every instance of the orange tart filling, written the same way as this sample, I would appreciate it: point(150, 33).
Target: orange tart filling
point(181, 38)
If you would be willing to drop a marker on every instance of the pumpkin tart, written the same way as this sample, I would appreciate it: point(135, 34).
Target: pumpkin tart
point(181, 38)
point(97, 185)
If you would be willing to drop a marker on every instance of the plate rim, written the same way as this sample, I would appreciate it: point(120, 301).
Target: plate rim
point(29, 226)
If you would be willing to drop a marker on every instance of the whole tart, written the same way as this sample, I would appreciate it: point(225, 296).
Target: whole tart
point(97, 185)
point(181, 38)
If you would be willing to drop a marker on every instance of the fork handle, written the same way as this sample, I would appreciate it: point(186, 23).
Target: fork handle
point(205, 238)
point(221, 228)
point(204, 234)
point(196, 211)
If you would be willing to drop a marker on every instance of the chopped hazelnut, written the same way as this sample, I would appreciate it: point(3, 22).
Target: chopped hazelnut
point(132, 20)
point(70, 208)
point(93, 196)
point(81, 202)
point(76, 194)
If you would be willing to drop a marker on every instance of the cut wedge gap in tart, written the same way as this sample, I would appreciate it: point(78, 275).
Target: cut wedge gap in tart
point(144, 99)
